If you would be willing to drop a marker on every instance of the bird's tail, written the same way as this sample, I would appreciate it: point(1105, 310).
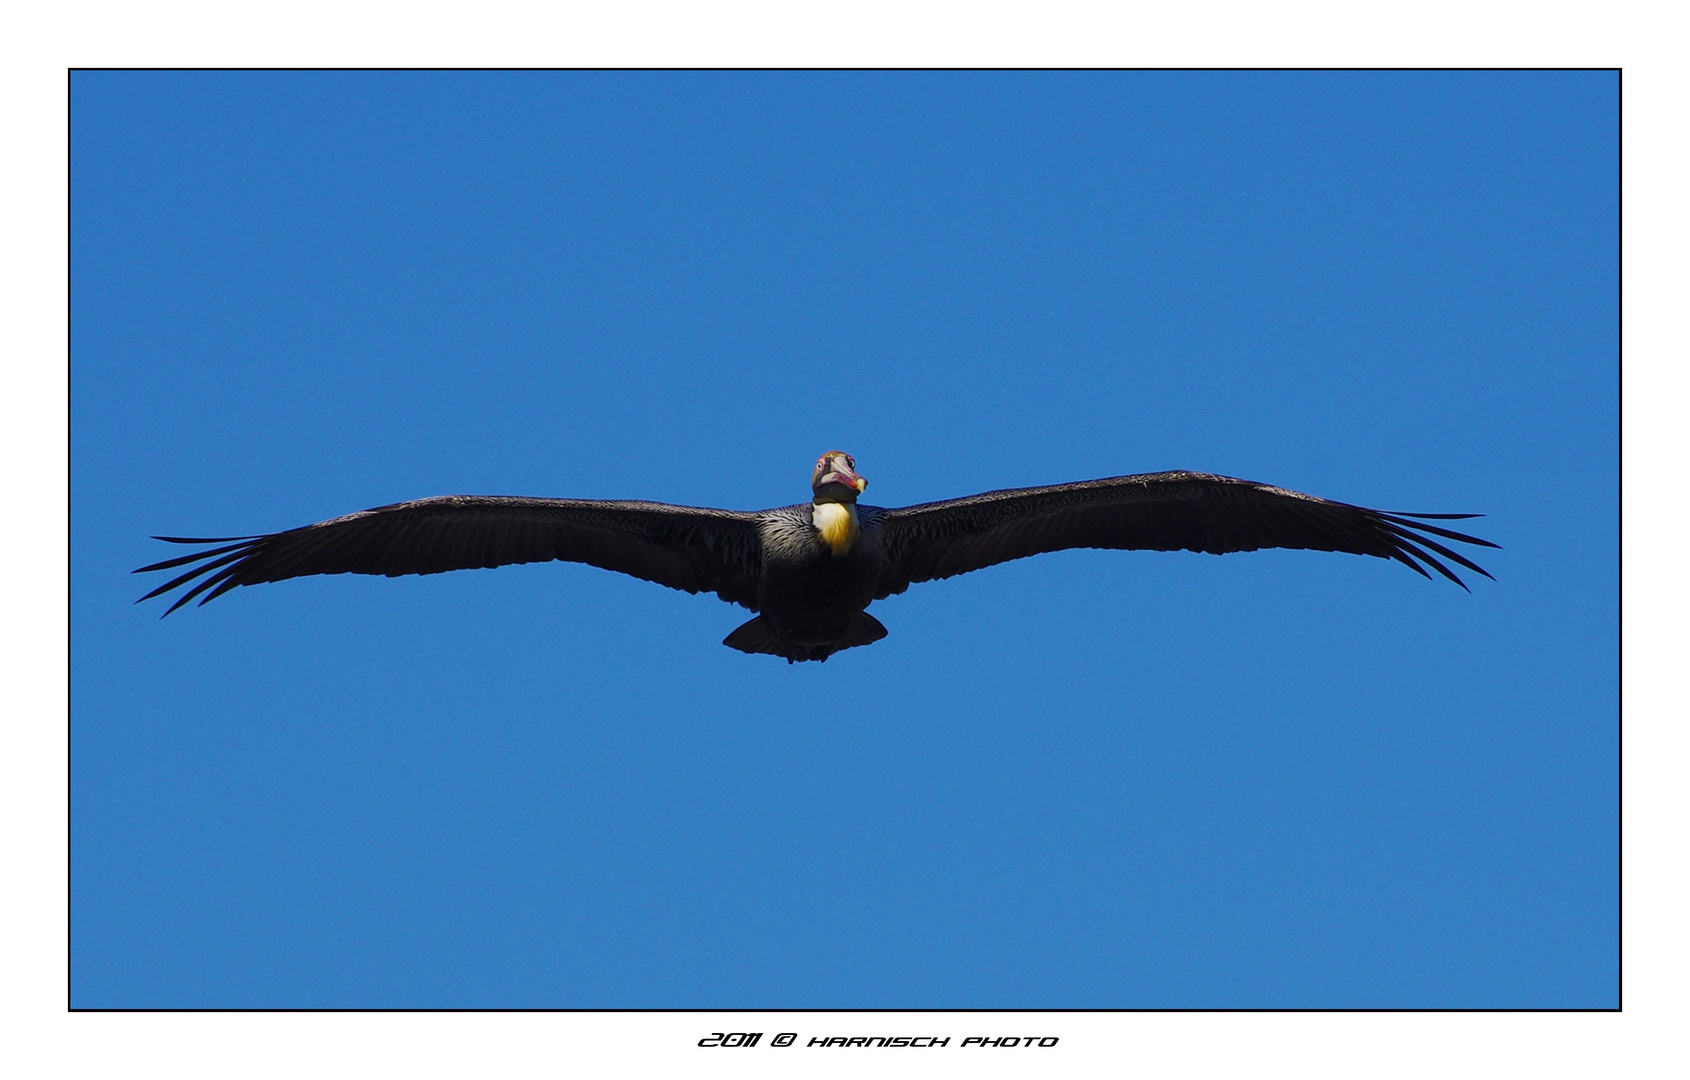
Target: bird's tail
point(757, 636)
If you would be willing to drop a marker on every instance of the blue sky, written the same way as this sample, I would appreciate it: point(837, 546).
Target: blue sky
point(1089, 779)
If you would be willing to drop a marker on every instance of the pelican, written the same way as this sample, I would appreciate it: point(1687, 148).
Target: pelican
point(810, 571)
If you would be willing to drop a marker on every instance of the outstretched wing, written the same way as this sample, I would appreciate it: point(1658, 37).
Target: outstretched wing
point(682, 547)
point(1169, 511)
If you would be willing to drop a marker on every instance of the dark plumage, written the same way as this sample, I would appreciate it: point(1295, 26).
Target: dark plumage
point(810, 570)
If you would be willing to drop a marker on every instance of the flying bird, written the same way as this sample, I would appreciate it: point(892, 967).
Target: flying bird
point(810, 571)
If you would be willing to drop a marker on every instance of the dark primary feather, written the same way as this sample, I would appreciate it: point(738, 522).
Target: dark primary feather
point(1169, 511)
point(683, 547)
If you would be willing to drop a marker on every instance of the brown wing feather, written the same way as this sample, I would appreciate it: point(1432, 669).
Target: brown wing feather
point(682, 547)
point(1169, 511)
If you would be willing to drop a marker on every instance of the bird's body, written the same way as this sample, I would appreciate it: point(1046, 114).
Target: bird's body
point(822, 565)
point(811, 570)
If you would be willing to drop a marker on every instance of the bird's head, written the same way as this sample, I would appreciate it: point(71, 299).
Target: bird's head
point(836, 478)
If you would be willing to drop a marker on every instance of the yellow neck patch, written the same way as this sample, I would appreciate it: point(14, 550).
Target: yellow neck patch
point(837, 524)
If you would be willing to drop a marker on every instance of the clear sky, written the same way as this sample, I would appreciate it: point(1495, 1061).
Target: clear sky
point(1088, 779)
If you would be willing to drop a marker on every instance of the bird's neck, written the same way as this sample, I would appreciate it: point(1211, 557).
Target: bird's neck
point(836, 524)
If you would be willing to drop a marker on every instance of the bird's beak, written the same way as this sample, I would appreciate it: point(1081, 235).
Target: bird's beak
point(846, 477)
